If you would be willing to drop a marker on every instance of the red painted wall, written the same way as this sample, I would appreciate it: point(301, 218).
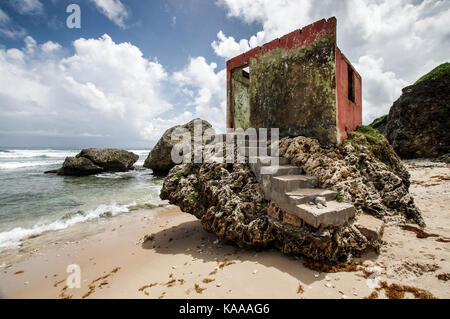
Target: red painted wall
point(296, 39)
point(349, 113)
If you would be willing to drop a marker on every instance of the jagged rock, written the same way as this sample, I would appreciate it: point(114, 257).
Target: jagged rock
point(79, 166)
point(364, 170)
point(418, 122)
point(110, 159)
point(95, 160)
point(228, 201)
point(159, 159)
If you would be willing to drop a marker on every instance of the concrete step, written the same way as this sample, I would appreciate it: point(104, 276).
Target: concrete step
point(280, 170)
point(276, 187)
point(248, 151)
point(288, 183)
point(334, 214)
point(264, 162)
point(306, 195)
point(264, 173)
point(272, 160)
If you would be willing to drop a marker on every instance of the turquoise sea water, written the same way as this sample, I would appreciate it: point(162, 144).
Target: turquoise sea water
point(32, 202)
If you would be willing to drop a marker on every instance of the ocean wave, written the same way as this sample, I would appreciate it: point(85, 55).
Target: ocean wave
point(140, 152)
point(140, 162)
point(16, 165)
point(44, 153)
point(140, 173)
point(13, 237)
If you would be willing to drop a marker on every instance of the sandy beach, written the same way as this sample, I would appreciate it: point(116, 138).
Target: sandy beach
point(164, 253)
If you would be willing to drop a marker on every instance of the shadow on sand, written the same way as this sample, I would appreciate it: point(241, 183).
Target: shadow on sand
point(191, 239)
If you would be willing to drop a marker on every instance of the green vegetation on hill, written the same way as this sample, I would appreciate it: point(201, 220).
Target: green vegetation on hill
point(372, 135)
point(436, 73)
point(379, 120)
point(367, 136)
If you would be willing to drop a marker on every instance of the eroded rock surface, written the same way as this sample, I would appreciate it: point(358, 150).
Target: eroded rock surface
point(110, 159)
point(159, 159)
point(418, 122)
point(364, 170)
point(96, 160)
point(78, 166)
point(228, 201)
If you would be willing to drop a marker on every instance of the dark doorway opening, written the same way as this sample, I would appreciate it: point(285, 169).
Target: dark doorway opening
point(351, 84)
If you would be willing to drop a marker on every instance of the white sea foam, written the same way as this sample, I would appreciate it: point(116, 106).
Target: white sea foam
point(30, 158)
point(13, 237)
point(142, 156)
point(46, 153)
point(23, 164)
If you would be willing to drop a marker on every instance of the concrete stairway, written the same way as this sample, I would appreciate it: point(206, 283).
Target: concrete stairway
point(295, 193)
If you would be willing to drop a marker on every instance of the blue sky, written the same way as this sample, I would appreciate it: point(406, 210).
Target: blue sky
point(137, 67)
point(169, 30)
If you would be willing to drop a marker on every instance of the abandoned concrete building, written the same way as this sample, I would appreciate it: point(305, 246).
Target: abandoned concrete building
point(300, 83)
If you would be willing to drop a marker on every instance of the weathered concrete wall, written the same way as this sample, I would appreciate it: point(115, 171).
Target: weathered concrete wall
point(298, 83)
point(296, 91)
point(241, 100)
point(294, 40)
point(349, 113)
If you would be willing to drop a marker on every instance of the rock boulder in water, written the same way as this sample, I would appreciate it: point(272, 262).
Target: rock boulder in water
point(110, 159)
point(159, 158)
point(79, 166)
point(96, 160)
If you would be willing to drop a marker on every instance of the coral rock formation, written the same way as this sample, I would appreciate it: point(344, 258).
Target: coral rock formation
point(228, 201)
point(364, 170)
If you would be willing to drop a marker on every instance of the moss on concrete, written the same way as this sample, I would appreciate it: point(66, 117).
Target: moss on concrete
point(241, 100)
point(296, 91)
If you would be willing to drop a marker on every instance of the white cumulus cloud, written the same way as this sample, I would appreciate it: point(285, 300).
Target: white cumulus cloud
point(103, 89)
point(114, 10)
point(207, 89)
